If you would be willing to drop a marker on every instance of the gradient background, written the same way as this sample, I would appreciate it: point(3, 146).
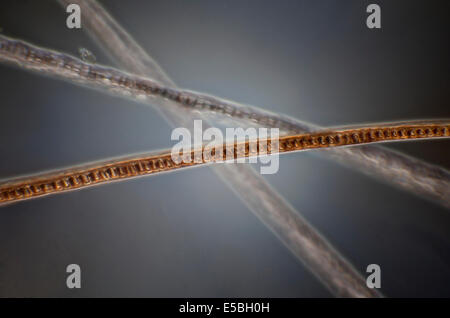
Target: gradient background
point(185, 234)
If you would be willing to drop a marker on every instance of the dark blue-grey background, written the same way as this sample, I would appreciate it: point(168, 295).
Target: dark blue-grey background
point(185, 234)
